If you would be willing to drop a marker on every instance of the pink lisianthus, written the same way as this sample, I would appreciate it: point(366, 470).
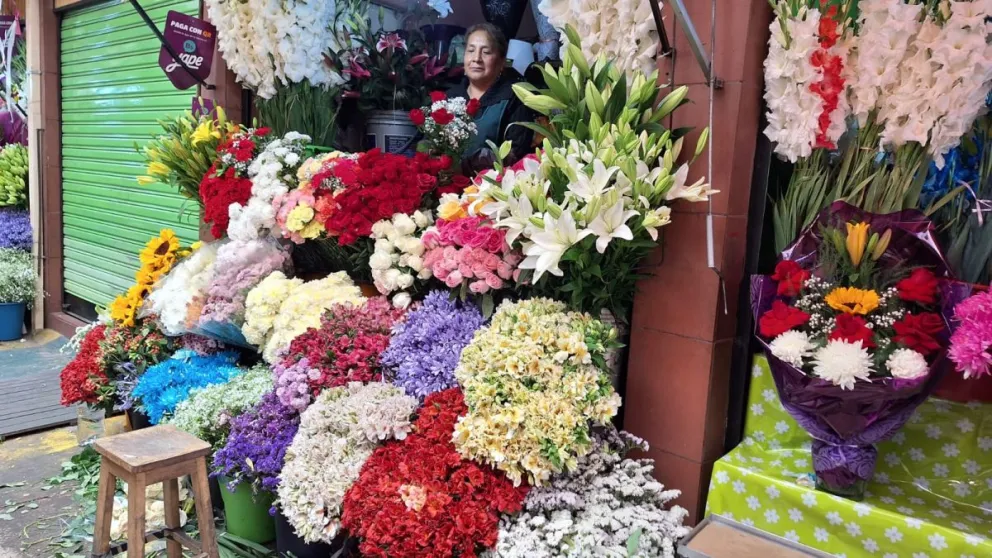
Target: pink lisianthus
point(971, 343)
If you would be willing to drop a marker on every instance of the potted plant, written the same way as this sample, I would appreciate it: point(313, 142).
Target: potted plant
point(17, 291)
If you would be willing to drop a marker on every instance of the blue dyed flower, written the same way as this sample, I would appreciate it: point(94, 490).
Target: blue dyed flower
point(168, 383)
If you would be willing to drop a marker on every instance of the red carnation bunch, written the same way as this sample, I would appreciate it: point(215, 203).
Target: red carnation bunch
point(419, 498)
point(227, 180)
point(347, 345)
point(84, 375)
point(378, 186)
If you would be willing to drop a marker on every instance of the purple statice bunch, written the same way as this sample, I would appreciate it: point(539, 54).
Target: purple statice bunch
point(256, 447)
point(292, 388)
point(240, 265)
point(15, 229)
point(127, 380)
point(424, 349)
point(202, 345)
point(971, 343)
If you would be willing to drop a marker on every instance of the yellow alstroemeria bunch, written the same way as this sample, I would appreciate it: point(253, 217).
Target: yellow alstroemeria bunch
point(183, 154)
point(159, 255)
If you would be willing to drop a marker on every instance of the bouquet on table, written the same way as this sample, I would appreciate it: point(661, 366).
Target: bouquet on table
point(850, 322)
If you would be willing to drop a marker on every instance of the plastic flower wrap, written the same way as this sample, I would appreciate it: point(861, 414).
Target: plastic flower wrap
point(448, 125)
point(209, 411)
point(344, 347)
point(854, 337)
point(170, 298)
point(273, 174)
point(227, 182)
point(594, 510)
point(528, 427)
point(157, 258)
point(425, 347)
point(397, 261)
point(418, 498)
point(169, 383)
point(337, 435)
point(278, 309)
point(15, 230)
point(257, 443)
point(971, 342)
point(81, 378)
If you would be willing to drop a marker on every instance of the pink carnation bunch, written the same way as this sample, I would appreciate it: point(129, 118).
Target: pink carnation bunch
point(971, 343)
point(470, 250)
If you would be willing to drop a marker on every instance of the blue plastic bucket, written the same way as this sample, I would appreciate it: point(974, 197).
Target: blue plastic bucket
point(11, 320)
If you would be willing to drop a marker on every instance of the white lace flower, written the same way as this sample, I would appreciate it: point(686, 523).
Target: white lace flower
point(842, 363)
point(907, 364)
point(792, 346)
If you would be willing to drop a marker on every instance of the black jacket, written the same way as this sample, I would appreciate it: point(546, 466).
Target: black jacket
point(520, 137)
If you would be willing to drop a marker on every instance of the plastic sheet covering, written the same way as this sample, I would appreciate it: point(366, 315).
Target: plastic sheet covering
point(931, 495)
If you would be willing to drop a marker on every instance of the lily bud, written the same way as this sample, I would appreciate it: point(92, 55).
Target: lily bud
point(672, 100)
point(536, 221)
point(575, 54)
point(554, 210)
point(882, 245)
point(701, 143)
point(593, 99)
point(857, 239)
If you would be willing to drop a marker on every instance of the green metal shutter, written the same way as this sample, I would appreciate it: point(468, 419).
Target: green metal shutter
point(113, 92)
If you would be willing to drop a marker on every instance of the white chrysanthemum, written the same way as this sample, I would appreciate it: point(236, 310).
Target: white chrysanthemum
point(843, 363)
point(792, 347)
point(907, 364)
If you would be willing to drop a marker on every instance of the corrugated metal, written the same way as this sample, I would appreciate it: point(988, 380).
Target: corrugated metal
point(113, 92)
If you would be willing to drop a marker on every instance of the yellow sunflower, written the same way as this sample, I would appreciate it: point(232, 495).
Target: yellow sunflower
point(123, 309)
point(160, 252)
point(852, 301)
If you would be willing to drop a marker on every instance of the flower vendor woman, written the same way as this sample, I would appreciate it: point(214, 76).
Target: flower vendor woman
point(490, 79)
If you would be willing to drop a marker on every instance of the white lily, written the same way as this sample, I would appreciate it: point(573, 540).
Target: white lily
point(699, 191)
point(587, 187)
point(519, 220)
point(611, 224)
point(548, 246)
point(656, 219)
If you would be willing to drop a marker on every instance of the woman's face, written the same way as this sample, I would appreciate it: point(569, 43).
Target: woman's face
point(483, 63)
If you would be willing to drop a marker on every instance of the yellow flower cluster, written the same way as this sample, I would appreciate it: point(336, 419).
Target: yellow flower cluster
point(532, 391)
point(852, 301)
point(278, 309)
point(157, 258)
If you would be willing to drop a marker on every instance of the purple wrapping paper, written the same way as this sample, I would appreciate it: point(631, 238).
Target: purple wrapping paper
point(846, 423)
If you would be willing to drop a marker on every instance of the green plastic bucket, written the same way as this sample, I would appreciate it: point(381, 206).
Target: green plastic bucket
point(248, 517)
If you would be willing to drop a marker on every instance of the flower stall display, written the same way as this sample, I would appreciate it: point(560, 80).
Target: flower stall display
point(971, 342)
point(418, 497)
point(596, 509)
point(521, 425)
point(448, 125)
point(170, 298)
point(14, 176)
point(344, 347)
point(227, 181)
point(167, 384)
point(157, 258)
point(397, 260)
point(279, 309)
point(209, 411)
point(15, 230)
point(854, 337)
point(185, 151)
point(337, 435)
point(272, 174)
point(425, 347)
point(256, 446)
point(81, 378)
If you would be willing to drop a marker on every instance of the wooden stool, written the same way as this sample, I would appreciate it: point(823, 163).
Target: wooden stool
point(148, 456)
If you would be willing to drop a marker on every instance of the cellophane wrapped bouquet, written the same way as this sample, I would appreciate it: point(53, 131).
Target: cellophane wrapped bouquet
point(851, 325)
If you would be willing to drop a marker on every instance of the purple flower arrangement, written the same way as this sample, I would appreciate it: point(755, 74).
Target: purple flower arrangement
point(292, 388)
point(15, 230)
point(424, 349)
point(238, 268)
point(256, 447)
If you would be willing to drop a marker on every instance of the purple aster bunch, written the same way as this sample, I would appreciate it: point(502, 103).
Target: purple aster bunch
point(256, 447)
point(15, 230)
point(292, 388)
point(424, 350)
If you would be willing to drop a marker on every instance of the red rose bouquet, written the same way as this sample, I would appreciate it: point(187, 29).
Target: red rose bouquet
point(227, 180)
point(448, 125)
point(855, 339)
point(84, 375)
point(419, 498)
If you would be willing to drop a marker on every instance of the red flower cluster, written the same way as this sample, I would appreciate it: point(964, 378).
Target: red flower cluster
point(347, 345)
point(781, 318)
point(419, 498)
point(82, 377)
point(791, 278)
point(376, 187)
point(417, 117)
point(920, 286)
point(218, 193)
point(919, 331)
point(472, 107)
point(831, 85)
point(852, 328)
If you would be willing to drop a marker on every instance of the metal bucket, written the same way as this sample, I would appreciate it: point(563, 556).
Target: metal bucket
point(391, 131)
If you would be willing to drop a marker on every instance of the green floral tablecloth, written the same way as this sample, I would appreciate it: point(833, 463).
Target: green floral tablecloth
point(931, 495)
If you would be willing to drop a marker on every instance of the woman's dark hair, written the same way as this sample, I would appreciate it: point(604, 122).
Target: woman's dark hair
point(496, 37)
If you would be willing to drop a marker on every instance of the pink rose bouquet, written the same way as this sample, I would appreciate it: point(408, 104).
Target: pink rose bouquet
point(470, 253)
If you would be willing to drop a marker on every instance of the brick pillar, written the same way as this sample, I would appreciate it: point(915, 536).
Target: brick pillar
point(678, 374)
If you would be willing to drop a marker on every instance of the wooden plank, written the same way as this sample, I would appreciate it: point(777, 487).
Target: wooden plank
point(40, 422)
point(32, 403)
